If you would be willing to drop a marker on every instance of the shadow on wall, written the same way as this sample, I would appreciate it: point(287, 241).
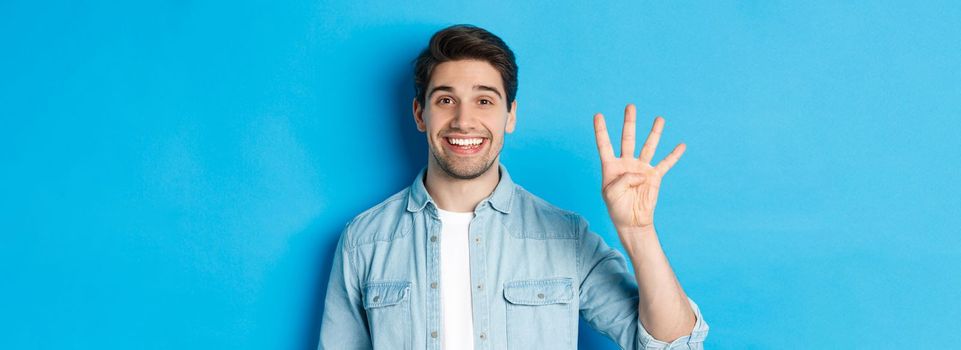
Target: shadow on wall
point(388, 51)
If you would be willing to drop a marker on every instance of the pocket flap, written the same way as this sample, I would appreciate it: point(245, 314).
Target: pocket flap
point(380, 294)
point(540, 292)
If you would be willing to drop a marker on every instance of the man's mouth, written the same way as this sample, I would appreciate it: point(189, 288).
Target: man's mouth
point(465, 145)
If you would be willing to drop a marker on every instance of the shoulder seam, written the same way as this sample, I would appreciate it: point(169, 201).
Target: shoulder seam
point(544, 202)
point(349, 244)
point(572, 217)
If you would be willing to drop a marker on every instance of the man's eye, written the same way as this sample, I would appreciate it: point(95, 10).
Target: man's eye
point(486, 102)
point(445, 100)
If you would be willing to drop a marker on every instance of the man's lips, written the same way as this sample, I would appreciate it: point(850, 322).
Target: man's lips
point(465, 145)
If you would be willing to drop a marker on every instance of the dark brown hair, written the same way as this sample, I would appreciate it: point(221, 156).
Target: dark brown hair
point(463, 41)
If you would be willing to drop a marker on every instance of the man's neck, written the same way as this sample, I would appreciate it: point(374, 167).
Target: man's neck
point(459, 195)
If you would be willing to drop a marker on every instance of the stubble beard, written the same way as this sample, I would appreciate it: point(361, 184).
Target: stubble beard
point(472, 170)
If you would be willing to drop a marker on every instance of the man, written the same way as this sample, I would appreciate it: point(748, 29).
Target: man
point(466, 259)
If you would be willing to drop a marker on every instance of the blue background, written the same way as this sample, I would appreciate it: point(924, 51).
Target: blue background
point(175, 174)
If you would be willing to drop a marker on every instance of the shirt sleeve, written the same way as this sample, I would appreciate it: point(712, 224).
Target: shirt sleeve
point(344, 324)
point(608, 296)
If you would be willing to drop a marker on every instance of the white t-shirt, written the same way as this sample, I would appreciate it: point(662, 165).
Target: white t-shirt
point(457, 314)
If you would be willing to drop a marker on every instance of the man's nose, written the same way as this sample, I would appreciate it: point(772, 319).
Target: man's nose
point(463, 119)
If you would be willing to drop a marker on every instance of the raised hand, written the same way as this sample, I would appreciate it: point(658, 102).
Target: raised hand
point(630, 185)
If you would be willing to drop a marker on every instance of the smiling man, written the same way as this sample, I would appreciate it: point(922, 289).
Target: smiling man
point(464, 258)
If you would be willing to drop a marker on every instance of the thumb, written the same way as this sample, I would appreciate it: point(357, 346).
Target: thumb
point(624, 182)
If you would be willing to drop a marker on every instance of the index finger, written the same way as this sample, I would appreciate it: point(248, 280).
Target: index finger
point(603, 139)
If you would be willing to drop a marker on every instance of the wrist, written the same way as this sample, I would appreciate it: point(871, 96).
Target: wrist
point(637, 238)
point(636, 230)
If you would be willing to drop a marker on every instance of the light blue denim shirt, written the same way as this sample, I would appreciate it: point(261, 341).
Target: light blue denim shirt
point(533, 268)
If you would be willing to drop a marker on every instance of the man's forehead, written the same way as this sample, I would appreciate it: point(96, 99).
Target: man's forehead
point(466, 75)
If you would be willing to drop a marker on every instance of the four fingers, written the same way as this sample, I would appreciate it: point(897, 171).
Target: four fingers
point(628, 139)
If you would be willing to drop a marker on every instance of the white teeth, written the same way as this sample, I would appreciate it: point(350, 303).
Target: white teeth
point(465, 142)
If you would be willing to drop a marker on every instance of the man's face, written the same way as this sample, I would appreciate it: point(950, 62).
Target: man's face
point(465, 117)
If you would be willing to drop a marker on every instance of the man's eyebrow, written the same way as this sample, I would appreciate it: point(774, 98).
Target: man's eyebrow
point(476, 87)
point(440, 88)
point(488, 88)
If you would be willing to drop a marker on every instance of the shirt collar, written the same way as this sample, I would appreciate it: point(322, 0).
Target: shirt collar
point(500, 199)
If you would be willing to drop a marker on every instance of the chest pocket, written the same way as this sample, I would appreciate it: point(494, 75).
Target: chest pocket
point(540, 314)
point(388, 314)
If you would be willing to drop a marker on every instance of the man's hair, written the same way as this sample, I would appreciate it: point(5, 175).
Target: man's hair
point(460, 42)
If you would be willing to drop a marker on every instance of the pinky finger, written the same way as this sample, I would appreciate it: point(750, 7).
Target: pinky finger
point(668, 162)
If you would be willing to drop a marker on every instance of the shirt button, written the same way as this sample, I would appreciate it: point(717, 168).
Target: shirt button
point(376, 298)
point(433, 334)
point(540, 295)
point(483, 336)
point(477, 240)
point(480, 286)
point(433, 238)
point(433, 285)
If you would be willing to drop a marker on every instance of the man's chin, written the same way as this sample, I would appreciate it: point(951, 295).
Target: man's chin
point(464, 171)
point(462, 168)
point(464, 174)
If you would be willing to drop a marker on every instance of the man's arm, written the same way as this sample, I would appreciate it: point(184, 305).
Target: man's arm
point(344, 324)
point(663, 307)
point(609, 298)
point(630, 190)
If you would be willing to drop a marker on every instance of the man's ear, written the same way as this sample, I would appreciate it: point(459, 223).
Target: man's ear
point(419, 116)
point(511, 118)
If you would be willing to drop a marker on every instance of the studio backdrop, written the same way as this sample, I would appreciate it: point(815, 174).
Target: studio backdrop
point(175, 174)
